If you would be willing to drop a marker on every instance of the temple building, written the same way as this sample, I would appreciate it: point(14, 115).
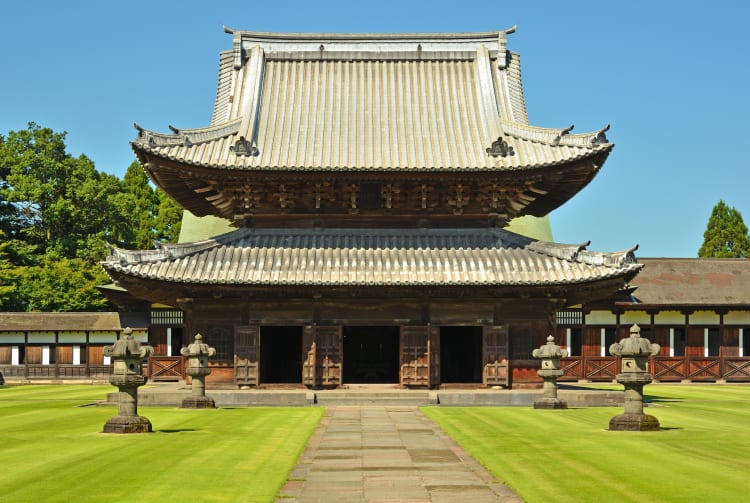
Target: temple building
point(369, 181)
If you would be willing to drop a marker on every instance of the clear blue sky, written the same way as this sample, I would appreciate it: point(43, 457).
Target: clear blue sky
point(672, 78)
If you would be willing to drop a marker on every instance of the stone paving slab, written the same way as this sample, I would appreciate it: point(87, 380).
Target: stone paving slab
point(387, 454)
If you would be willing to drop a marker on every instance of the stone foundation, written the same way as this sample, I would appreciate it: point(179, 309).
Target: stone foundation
point(198, 402)
point(634, 422)
point(127, 424)
point(550, 403)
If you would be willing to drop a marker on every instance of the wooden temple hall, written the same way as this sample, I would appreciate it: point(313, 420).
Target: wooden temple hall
point(370, 181)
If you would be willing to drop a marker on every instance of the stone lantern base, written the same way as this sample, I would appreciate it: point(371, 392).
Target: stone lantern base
point(198, 402)
point(634, 422)
point(127, 424)
point(550, 403)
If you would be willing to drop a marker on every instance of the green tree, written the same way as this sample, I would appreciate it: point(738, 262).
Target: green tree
point(150, 215)
point(62, 285)
point(143, 204)
point(9, 275)
point(168, 219)
point(58, 201)
point(57, 214)
point(726, 234)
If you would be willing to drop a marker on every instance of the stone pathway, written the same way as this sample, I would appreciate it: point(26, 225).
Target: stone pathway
point(380, 454)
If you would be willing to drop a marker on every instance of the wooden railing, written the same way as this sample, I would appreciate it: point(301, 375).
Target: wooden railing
point(166, 368)
point(663, 368)
point(158, 368)
point(594, 368)
point(59, 371)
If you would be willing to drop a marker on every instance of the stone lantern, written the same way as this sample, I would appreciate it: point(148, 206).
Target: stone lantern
point(550, 355)
point(128, 356)
point(197, 354)
point(635, 352)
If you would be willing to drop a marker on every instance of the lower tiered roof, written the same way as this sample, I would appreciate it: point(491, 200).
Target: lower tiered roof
point(249, 259)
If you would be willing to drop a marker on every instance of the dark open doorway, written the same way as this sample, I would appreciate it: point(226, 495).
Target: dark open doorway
point(371, 355)
point(460, 354)
point(280, 355)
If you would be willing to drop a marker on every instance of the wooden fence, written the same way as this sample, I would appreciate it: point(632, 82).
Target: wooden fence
point(663, 368)
point(593, 368)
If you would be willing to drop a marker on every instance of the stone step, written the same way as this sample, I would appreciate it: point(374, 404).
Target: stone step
point(411, 398)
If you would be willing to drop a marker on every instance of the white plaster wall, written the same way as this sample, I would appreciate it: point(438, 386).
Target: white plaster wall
point(635, 317)
point(669, 318)
point(601, 318)
point(704, 318)
point(737, 318)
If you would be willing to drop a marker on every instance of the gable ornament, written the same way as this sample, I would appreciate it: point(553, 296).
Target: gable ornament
point(244, 147)
point(500, 148)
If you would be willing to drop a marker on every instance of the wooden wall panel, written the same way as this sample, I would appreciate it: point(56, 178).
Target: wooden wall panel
point(5, 355)
point(157, 337)
point(64, 354)
point(694, 345)
point(730, 345)
point(592, 341)
point(96, 355)
point(661, 337)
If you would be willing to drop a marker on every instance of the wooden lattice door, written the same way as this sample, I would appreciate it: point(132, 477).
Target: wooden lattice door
point(247, 356)
point(309, 350)
point(328, 343)
point(495, 356)
point(420, 356)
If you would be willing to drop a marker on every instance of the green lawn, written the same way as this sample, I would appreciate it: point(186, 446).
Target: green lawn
point(51, 449)
point(702, 452)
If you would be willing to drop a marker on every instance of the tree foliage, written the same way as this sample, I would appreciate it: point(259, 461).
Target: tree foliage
point(726, 234)
point(57, 215)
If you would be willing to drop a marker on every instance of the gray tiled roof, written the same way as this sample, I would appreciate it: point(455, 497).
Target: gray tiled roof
point(693, 282)
point(358, 257)
point(409, 102)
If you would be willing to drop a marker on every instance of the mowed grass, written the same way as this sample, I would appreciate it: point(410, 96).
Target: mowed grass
point(702, 452)
point(52, 449)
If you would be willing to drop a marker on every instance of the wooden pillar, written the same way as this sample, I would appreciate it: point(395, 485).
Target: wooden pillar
point(26, 354)
point(86, 370)
point(57, 355)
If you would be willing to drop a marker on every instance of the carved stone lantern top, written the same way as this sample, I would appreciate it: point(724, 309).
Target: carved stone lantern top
point(550, 350)
point(635, 345)
point(198, 348)
point(550, 355)
point(128, 349)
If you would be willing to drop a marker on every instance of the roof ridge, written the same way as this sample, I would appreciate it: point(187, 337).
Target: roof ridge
point(556, 136)
point(316, 36)
point(186, 137)
point(580, 253)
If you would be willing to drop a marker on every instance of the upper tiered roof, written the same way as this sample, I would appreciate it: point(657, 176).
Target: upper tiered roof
point(368, 105)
